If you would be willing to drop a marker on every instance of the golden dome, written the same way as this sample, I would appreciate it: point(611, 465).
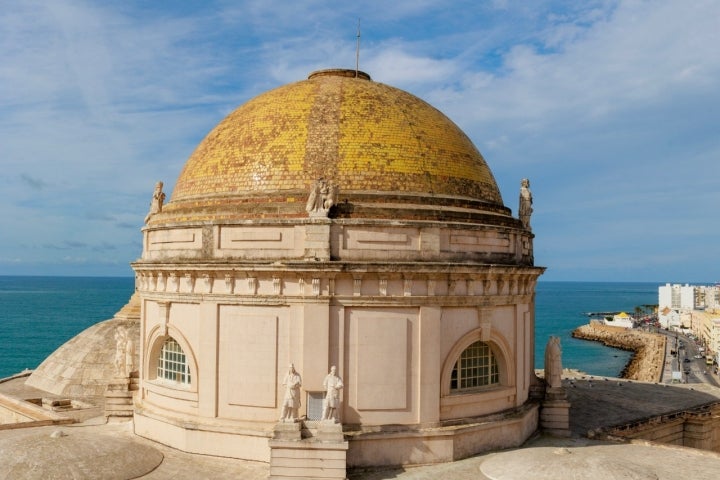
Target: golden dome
point(379, 145)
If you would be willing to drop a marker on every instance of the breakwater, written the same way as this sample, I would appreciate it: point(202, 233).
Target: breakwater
point(646, 363)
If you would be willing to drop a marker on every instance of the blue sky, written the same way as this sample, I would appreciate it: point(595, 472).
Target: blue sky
point(611, 108)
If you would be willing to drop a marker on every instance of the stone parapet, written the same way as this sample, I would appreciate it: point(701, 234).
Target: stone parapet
point(695, 428)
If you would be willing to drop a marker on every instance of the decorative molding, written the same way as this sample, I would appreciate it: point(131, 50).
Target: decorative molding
point(383, 287)
point(160, 285)
point(164, 316)
point(316, 286)
point(188, 282)
point(208, 280)
point(357, 286)
point(277, 285)
point(407, 287)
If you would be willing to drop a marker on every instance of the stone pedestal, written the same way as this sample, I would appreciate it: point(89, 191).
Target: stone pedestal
point(119, 399)
point(317, 240)
point(555, 413)
point(329, 431)
point(323, 456)
point(287, 431)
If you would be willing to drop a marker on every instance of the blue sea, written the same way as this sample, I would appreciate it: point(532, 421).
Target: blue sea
point(38, 314)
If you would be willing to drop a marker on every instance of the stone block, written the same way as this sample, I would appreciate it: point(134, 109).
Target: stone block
point(308, 458)
point(329, 431)
point(287, 431)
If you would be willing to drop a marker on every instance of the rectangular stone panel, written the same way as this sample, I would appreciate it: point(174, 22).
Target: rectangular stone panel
point(176, 239)
point(461, 241)
point(385, 239)
point(247, 238)
point(382, 361)
point(247, 358)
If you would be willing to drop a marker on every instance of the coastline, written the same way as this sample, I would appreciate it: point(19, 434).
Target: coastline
point(648, 358)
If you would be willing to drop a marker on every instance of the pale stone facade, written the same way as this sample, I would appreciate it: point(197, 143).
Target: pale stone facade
point(693, 308)
point(423, 301)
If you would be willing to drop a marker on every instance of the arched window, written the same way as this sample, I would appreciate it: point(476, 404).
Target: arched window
point(476, 367)
point(172, 363)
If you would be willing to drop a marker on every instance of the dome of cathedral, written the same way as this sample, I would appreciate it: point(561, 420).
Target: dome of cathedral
point(384, 149)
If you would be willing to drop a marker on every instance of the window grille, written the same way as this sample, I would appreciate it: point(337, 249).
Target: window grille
point(475, 368)
point(315, 405)
point(172, 363)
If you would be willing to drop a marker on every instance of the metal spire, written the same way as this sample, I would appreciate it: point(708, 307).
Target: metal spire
point(357, 51)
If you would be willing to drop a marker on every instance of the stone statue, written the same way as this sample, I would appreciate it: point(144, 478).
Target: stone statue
point(129, 353)
point(121, 340)
point(156, 203)
point(323, 196)
point(291, 402)
point(553, 363)
point(332, 384)
point(525, 208)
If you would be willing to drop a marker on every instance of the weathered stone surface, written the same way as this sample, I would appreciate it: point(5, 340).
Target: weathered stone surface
point(85, 365)
point(74, 454)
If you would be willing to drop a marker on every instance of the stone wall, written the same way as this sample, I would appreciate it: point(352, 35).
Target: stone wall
point(696, 428)
point(647, 362)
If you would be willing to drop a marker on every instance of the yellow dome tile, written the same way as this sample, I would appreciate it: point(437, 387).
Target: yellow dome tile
point(362, 135)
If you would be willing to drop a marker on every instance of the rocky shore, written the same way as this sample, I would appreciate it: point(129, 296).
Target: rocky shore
point(646, 363)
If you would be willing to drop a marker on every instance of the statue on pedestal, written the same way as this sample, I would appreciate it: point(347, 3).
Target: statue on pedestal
point(156, 203)
point(332, 384)
point(525, 208)
point(291, 402)
point(124, 353)
point(323, 196)
point(121, 339)
point(553, 363)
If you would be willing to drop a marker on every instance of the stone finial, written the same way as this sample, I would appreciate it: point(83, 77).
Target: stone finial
point(332, 385)
point(323, 195)
point(156, 203)
point(525, 208)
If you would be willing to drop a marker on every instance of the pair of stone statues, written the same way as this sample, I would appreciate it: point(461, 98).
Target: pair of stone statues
point(331, 403)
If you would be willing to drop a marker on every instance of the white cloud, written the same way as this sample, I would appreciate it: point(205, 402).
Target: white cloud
point(608, 106)
point(394, 66)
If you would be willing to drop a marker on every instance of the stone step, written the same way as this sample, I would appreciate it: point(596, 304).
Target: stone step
point(119, 401)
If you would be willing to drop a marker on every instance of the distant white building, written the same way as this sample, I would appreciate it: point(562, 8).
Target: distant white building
point(622, 320)
point(669, 318)
point(696, 308)
point(677, 297)
point(710, 297)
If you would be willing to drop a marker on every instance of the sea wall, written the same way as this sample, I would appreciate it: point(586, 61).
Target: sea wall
point(646, 364)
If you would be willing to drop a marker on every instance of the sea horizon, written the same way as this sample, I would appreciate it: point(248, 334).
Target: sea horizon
point(38, 313)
